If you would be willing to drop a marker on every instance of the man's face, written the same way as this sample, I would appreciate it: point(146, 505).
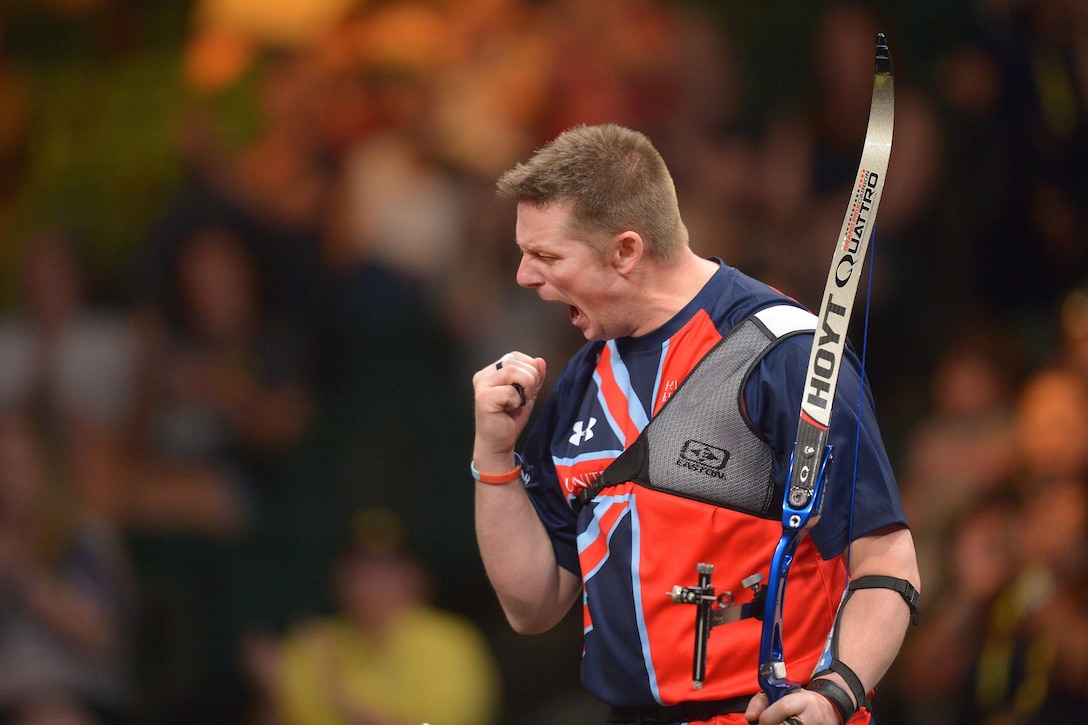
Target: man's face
point(566, 270)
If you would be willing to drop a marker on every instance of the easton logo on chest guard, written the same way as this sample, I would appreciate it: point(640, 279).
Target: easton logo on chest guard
point(671, 453)
point(703, 457)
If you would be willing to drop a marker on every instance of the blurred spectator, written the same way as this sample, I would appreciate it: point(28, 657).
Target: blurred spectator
point(71, 363)
point(1051, 429)
point(406, 210)
point(933, 677)
point(1027, 638)
point(1006, 640)
point(226, 389)
point(963, 450)
point(226, 399)
point(1033, 667)
point(67, 597)
point(389, 385)
point(1045, 679)
point(262, 166)
point(386, 656)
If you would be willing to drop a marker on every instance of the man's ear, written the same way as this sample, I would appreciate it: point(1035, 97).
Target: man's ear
point(627, 251)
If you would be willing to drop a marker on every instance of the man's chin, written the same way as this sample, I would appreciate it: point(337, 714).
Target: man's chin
point(592, 334)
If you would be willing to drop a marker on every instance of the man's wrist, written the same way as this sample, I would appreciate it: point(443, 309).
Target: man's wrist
point(835, 694)
point(497, 479)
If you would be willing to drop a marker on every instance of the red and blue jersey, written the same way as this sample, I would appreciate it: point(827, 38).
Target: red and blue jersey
point(632, 544)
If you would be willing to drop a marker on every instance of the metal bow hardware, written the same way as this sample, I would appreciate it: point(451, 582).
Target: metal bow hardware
point(712, 610)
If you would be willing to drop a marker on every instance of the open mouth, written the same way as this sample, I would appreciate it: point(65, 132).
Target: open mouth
point(575, 314)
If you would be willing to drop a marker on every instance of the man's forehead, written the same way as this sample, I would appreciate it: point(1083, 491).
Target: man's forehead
point(536, 223)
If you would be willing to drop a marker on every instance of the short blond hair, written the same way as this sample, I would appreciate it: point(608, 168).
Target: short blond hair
point(615, 181)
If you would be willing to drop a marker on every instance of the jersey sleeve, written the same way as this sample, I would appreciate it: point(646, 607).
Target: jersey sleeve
point(539, 475)
point(860, 478)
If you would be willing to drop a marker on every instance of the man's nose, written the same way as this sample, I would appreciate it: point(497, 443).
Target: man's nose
point(527, 277)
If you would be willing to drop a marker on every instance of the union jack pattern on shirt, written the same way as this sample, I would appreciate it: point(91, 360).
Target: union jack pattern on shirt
point(632, 544)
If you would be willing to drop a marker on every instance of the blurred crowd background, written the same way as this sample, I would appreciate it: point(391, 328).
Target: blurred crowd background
point(250, 255)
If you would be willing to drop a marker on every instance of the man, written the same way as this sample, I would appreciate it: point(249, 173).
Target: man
point(599, 230)
point(386, 655)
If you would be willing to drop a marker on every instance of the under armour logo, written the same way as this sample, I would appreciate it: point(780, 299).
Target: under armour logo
point(582, 432)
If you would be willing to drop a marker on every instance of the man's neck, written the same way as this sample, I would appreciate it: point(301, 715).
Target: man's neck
point(665, 290)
